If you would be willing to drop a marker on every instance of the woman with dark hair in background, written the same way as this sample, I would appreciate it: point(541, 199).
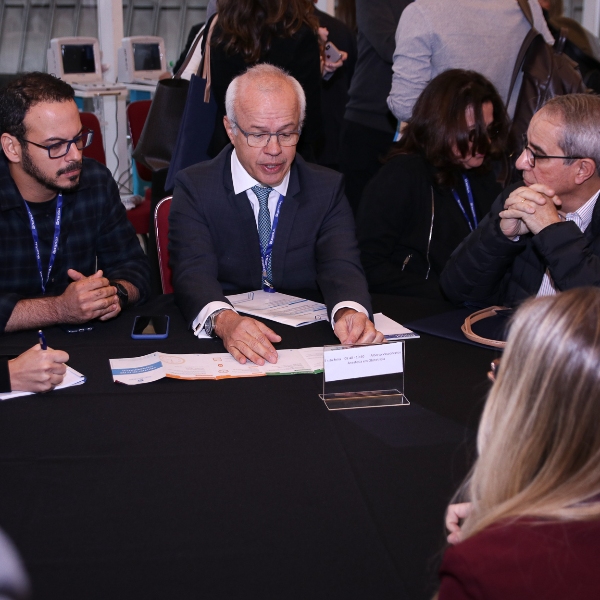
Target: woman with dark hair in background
point(531, 526)
point(280, 32)
point(435, 186)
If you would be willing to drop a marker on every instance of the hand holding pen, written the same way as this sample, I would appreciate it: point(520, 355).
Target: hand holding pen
point(39, 369)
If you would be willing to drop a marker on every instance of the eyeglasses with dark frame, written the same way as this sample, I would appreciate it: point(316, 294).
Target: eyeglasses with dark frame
point(531, 157)
point(60, 149)
point(261, 140)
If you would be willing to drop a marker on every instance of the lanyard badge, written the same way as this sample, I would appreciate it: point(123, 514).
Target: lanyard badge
point(36, 241)
point(265, 255)
point(472, 224)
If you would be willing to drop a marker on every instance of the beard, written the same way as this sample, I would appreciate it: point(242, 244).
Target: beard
point(51, 183)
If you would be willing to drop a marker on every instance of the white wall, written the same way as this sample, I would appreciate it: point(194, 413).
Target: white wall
point(327, 6)
point(591, 16)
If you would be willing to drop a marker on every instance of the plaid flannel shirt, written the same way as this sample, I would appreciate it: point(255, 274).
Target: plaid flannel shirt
point(94, 226)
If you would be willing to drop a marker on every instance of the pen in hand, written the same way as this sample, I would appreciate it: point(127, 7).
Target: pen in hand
point(42, 339)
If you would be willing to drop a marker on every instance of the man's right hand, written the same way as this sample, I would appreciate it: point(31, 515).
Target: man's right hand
point(244, 338)
point(37, 370)
point(87, 298)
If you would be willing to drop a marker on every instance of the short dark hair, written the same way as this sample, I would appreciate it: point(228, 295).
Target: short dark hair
point(438, 122)
point(26, 91)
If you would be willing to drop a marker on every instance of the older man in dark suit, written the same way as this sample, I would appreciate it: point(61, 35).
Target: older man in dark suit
point(259, 216)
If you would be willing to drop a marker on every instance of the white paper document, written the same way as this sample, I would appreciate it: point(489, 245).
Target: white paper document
point(362, 361)
point(72, 377)
point(155, 366)
point(280, 308)
point(141, 369)
point(392, 330)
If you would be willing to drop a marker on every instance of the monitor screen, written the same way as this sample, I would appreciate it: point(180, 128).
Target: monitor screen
point(146, 57)
point(78, 58)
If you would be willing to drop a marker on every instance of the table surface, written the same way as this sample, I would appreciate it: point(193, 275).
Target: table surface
point(242, 488)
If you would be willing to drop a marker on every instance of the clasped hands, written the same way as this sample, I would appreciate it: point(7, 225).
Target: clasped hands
point(88, 298)
point(245, 338)
point(529, 209)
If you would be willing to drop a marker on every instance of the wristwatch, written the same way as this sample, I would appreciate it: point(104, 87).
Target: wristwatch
point(209, 324)
point(122, 293)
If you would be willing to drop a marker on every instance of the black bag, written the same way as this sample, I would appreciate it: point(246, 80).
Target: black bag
point(161, 129)
point(547, 72)
point(157, 141)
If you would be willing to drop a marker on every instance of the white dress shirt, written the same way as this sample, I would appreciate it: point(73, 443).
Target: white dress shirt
point(243, 182)
point(582, 217)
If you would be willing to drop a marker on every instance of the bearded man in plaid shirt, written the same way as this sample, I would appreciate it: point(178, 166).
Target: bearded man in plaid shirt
point(68, 253)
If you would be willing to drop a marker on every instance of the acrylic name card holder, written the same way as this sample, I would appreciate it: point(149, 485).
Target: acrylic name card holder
point(363, 376)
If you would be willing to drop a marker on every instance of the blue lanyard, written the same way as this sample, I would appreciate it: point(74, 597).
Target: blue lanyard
point(472, 224)
point(265, 255)
point(36, 241)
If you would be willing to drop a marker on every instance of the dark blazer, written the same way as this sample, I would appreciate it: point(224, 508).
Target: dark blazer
point(214, 245)
point(488, 268)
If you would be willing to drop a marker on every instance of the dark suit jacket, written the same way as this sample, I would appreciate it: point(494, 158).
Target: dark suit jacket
point(214, 246)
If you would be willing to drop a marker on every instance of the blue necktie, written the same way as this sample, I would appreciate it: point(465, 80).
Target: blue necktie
point(264, 225)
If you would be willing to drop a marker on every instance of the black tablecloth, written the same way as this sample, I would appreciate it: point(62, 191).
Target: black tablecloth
point(244, 488)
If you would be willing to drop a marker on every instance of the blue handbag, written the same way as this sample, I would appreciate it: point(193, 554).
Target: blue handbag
point(198, 120)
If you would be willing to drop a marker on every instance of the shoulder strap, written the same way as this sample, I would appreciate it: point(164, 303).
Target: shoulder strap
point(524, 4)
point(192, 50)
point(533, 33)
point(205, 66)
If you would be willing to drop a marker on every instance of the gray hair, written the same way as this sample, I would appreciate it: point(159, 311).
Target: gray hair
point(266, 78)
point(580, 131)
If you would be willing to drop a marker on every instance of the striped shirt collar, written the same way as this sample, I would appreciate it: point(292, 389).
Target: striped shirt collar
point(582, 217)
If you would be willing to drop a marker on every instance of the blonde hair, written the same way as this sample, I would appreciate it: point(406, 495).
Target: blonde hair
point(539, 436)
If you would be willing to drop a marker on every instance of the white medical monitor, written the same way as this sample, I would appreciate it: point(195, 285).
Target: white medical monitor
point(141, 58)
point(75, 59)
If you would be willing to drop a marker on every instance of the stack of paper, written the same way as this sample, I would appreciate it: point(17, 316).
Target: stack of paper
point(280, 308)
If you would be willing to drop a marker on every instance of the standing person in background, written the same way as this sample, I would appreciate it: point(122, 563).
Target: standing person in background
point(478, 35)
point(334, 91)
point(282, 33)
point(435, 187)
point(530, 526)
point(368, 127)
point(345, 11)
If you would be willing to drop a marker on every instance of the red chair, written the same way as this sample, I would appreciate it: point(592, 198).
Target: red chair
point(96, 148)
point(137, 112)
point(161, 226)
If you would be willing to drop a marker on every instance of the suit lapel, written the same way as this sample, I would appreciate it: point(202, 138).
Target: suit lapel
point(244, 216)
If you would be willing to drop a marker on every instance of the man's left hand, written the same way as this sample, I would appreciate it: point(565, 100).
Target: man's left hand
point(352, 327)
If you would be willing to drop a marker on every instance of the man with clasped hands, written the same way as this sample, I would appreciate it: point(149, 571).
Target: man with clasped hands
point(542, 237)
point(68, 254)
point(258, 216)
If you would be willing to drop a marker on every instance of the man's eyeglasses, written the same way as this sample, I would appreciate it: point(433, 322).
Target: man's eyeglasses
point(261, 140)
point(60, 149)
point(531, 156)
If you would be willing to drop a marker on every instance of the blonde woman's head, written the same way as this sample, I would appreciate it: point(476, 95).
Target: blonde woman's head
point(539, 437)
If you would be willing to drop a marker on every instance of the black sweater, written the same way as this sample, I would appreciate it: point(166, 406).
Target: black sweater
point(394, 223)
